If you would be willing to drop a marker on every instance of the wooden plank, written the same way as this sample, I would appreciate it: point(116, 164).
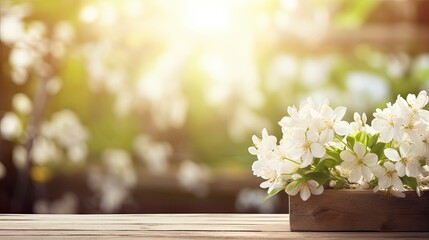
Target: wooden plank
point(168, 226)
point(355, 210)
point(196, 234)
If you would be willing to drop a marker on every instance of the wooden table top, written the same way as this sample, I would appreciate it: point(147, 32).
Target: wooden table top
point(171, 226)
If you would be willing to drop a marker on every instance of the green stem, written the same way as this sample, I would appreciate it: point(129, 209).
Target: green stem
point(338, 137)
point(292, 161)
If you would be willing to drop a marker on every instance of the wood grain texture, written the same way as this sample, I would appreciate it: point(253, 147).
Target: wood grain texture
point(355, 210)
point(169, 226)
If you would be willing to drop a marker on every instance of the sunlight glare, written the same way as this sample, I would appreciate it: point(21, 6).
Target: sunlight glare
point(89, 14)
point(207, 16)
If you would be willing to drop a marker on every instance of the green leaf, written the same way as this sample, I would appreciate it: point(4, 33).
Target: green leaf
point(361, 137)
point(378, 149)
point(319, 177)
point(272, 193)
point(327, 163)
point(350, 142)
point(335, 155)
point(410, 182)
point(354, 13)
point(316, 161)
point(372, 140)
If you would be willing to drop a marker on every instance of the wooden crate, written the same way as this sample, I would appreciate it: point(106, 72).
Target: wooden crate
point(359, 210)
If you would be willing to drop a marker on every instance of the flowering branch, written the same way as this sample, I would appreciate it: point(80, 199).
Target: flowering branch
point(319, 150)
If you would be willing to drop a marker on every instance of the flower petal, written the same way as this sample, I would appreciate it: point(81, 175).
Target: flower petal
point(387, 134)
point(411, 98)
point(378, 171)
point(404, 149)
point(383, 182)
point(370, 159)
point(355, 175)
point(292, 189)
point(295, 153)
point(390, 166)
point(347, 165)
point(359, 149)
point(392, 154)
point(400, 168)
point(264, 133)
point(424, 115)
point(305, 193)
point(366, 173)
point(318, 190)
point(342, 128)
point(312, 136)
point(397, 183)
point(422, 100)
point(347, 156)
point(326, 136)
point(411, 170)
point(312, 183)
point(265, 184)
point(317, 150)
point(339, 113)
point(307, 159)
point(255, 140)
point(253, 151)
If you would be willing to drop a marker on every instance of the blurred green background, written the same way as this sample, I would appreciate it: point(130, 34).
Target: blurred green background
point(149, 106)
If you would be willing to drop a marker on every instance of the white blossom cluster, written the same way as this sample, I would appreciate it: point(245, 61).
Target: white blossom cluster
point(62, 137)
point(113, 183)
point(319, 149)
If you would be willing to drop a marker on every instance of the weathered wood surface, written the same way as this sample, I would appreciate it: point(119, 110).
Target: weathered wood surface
point(169, 226)
point(352, 210)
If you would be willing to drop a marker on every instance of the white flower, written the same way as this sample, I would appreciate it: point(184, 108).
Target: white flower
point(413, 124)
point(114, 184)
point(418, 103)
point(358, 162)
point(301, 118)
point(44, 150)
point(65, 128)
point(271, 164)
point(360, 124)
point(406, 162)
point(305, 188)
point(388, 177)
point(77, 153)
point(389, 123)
point(298, 118)
point(155, 155)
point(307, 130)
point(271, 171)
point(422, 146)
point(328, 121)
point(194, 177)
point(22, 104)
point(306, 147)
point(392, 191)
point(120, 166)
point(265, 148)
point(397, 193)
point(10, 126)
point(342, 171)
